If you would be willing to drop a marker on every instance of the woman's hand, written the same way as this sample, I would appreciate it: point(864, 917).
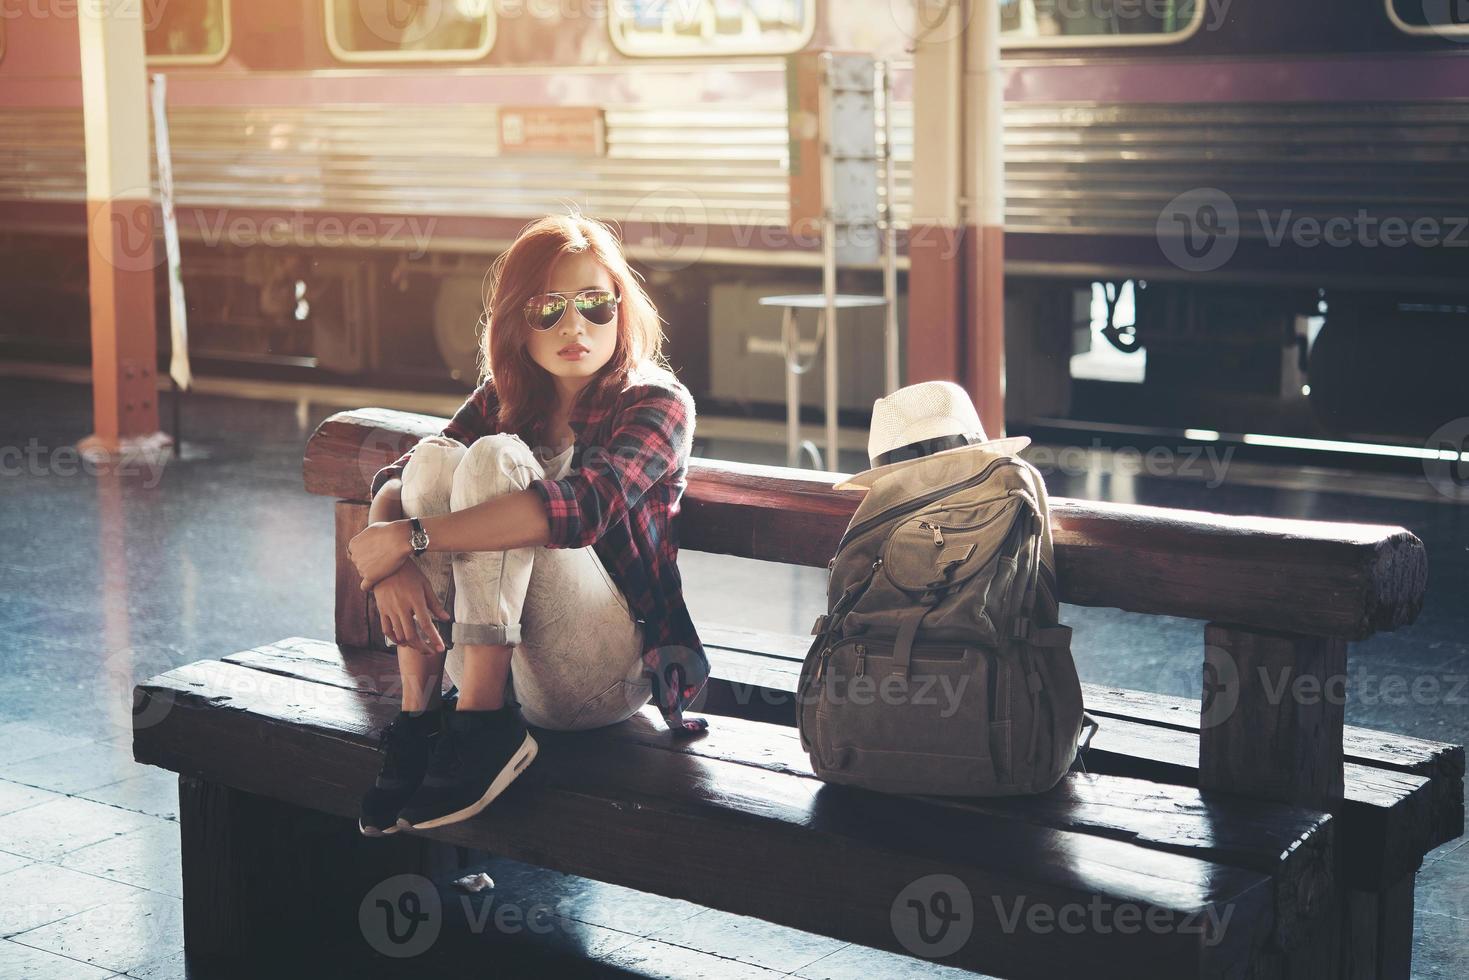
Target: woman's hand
point(408, 607)
point(379, 550)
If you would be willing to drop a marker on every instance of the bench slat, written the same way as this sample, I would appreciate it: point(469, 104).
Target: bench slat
point(313, 745)
point(1392, 816)
point(1342, 580)
point(773, 660)
point(1243, 833)
point(1389, 820)
point(1167, 816)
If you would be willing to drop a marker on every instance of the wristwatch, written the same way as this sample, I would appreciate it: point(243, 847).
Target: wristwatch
point(418, 540)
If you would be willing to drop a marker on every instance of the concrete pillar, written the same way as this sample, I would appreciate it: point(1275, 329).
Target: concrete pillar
point(121, 257)
point(956, 284)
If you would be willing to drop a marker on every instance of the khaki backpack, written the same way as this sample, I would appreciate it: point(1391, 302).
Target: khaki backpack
point(939, 666)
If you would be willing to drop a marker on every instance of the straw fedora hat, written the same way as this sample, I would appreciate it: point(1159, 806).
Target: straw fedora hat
point(920, 421)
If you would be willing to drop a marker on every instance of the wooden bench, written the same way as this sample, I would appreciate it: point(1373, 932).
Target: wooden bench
point(1300, 836)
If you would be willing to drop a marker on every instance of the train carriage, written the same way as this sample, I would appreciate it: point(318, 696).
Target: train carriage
point(345, 168)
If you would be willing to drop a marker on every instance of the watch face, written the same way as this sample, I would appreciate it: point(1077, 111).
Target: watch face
point(419, 541)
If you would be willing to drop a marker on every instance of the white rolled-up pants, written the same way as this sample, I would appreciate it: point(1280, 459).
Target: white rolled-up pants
point(576, 660)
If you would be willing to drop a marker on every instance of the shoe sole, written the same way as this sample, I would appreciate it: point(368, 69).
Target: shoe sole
point(376, 831)
point(523, 757)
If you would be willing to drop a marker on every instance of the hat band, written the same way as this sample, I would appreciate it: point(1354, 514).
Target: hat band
point(924, 447)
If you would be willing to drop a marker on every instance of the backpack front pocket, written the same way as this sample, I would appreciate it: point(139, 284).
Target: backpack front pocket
point(927, 727)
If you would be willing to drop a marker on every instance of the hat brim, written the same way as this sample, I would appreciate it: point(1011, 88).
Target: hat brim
point(867, 478)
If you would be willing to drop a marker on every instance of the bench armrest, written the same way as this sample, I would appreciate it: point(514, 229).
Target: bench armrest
point(1319, 578)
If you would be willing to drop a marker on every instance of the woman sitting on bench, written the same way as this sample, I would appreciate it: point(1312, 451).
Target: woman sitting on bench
point(547, 502)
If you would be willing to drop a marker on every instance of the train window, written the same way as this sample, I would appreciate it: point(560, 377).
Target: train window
point(1090, 23)
point(670, 28)
point(186, 32)
point(410, 30)
point(1446, 18)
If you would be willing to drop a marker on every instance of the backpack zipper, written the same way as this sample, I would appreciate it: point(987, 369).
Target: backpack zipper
point(912, 504)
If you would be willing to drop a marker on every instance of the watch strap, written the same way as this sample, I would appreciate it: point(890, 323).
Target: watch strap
point(419, 535)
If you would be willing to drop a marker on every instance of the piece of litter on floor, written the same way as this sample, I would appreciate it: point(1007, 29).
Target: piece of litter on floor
point(475, 883)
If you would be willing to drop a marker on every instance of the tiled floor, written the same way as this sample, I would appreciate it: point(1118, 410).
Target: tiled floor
point(104, 581)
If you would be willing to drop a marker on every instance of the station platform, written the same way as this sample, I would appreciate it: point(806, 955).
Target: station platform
point(106, 580)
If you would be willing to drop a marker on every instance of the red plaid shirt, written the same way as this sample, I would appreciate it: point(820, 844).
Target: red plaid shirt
point(628, 471)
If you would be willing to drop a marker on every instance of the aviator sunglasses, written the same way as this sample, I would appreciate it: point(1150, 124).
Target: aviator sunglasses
point(597, 305)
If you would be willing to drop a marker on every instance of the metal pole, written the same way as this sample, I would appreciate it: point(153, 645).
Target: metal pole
point(890, 235)
point(829, 260)
point(790, 341)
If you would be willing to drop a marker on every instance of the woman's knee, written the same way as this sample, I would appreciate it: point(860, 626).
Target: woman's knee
point(428, 476)
point(494, 465)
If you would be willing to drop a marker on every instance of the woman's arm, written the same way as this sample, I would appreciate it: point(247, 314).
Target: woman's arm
point(387, 504)
point(511, 520)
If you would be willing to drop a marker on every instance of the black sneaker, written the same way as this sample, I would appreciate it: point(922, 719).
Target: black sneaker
point(478, 754)
point(407, 744)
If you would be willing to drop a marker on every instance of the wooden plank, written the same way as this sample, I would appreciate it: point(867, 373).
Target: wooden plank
point(761, 665)
point(1382, 830)
point(1377, 934)
point(1343, 580)
point(1289, 844)
point(1440, 762)
point(354, 625)
point(259, 873)
point(1385, 824)
point(1272, 726)
point(313, 745)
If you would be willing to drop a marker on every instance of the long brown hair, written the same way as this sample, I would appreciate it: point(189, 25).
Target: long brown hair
point(526, 393)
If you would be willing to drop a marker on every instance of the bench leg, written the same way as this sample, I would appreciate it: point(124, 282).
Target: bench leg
point(1272, 717)
point(1377, 932)
point(262, 875)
